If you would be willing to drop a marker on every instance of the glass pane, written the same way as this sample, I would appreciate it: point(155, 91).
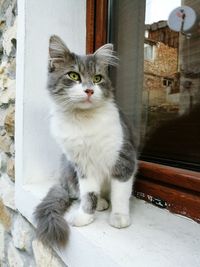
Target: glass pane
point(158, 79)
point(171, 91)
point(127, 34)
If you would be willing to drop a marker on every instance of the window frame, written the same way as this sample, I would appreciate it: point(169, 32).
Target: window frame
point(175, 189)
point(96, 22)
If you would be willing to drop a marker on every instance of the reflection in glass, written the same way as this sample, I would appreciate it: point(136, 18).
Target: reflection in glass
point(171, 90)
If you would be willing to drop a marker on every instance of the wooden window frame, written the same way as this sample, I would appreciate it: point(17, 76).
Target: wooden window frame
point(96, 24)
point(175, 189)
point(179, 189)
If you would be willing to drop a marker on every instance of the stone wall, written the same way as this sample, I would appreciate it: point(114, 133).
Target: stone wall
point(164, 65)
point(18, 244)
point(165, 61)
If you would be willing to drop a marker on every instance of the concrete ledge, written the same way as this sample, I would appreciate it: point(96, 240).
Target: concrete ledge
point(155, 238)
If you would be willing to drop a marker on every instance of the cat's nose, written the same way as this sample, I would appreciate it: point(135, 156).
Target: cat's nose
point(89, 92)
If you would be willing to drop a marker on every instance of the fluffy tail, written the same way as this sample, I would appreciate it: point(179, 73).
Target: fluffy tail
point(52, 228)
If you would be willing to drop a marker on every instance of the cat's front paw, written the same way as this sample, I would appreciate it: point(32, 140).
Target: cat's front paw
point(119, 220)
point(80, 218)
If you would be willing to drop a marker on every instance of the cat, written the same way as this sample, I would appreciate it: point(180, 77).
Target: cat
point(99, 158)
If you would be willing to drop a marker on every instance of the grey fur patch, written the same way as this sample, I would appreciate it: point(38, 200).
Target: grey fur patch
point(89, 202)
point(58, 53)
point(126, 164)
point(106, 55)
point(69, 178)
point(51, 226)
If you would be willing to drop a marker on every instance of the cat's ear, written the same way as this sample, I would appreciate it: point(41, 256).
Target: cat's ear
point(58, 53)
point(105, 55)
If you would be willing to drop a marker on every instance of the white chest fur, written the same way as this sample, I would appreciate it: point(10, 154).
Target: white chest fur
point(92, 141)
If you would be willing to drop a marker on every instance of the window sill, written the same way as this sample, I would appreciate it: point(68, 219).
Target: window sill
point(170, 175)
point(178, 189)
point(151, 240)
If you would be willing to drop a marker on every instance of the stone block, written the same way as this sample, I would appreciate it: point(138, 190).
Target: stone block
point(3, 79)
point(3, 162)
point(4, 98)
point(2, 69)
point(7, 191)
point(4, 6)
point(9, 16)
point(11, 169)
point(8, 36)
point(23, 234)
point(5, 218)
point(5, 142)
point(8, 93)
point(11, 69)
point(45, 256)
point(11, 85)
point(2, 254)
point(14, 257)
point(12, 149)
point(9, 122)
point(3, 113)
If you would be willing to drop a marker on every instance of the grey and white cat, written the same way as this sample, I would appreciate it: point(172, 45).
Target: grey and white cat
point(99, 154)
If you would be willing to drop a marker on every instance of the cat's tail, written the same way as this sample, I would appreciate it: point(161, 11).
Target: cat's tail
point(52, 228)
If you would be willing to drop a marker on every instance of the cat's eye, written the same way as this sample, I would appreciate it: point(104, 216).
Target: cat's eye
point(74, 76)
point(97, 78)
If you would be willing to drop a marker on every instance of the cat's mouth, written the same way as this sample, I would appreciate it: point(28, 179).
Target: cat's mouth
point(88, 100)
point(87, 103)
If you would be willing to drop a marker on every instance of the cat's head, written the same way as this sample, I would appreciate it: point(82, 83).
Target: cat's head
point(79, 82)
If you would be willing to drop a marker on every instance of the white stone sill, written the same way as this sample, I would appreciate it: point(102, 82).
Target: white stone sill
point(156, 237)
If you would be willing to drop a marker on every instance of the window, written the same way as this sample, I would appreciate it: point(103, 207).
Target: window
point(161, 92)
point(167, 82)
point(149, 52)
